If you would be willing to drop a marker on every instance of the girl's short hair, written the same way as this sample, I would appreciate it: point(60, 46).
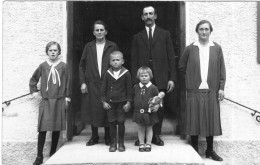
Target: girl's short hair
point(52, 43)
point(202, 22)
point(144, 69)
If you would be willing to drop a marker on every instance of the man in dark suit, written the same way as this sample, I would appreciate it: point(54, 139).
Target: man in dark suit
point(153, 47)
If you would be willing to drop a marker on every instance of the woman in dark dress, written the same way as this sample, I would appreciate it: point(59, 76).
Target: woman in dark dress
point(202, 64)
point(93, 65)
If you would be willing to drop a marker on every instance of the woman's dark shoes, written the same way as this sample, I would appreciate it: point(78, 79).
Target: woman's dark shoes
point(148, 147)
point(107, 140)
point(112, 147)
point(38, 160)
point(157, 140)
point(213, 155)
point(141, 148)
point(92, 141)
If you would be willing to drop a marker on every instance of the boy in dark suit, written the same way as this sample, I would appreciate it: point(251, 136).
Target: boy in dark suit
point(116, 94)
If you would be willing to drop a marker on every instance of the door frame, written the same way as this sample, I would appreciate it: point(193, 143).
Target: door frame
point(74, 124)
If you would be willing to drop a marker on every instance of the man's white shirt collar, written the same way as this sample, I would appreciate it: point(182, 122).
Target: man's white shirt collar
point(147, 29)
point(147, 85)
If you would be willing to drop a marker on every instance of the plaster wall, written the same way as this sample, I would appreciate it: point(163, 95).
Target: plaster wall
point(235, 29)
point(27, 28)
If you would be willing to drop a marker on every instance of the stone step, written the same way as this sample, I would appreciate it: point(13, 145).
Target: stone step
point(175, 151)
point(168, 127)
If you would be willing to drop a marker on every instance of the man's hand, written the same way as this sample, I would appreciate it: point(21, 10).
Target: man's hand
point(106, 106)
point(170, 86)
point(127, 106)
point(84, 88)
point(221, 95)
point(67, 100)
point(155, 108)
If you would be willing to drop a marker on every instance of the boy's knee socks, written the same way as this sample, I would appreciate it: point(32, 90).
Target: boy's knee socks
point(121, 131)
point(113, 130)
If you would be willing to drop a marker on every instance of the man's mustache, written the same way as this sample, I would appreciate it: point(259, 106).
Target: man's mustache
point(148, 19)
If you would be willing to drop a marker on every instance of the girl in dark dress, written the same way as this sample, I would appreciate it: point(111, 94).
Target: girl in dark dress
point(55, 96)
point(145, 120)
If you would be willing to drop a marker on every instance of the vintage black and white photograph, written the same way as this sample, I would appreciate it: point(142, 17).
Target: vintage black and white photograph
point(130, 83)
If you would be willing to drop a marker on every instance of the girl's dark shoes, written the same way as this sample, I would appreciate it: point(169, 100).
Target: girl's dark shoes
point(148, 147)
point(141, 148)
point(92, 141)
point(38, 160)
point(212, 154)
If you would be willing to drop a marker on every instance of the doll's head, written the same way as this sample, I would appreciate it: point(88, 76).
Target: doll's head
point(161, 95)
point(144, 74)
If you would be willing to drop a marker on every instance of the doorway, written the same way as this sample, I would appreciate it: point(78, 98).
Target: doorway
point(124, 20)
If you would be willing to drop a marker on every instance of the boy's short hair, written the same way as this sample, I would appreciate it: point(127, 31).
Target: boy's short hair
point(115, 53)
point(52, 43)
point(144, 69)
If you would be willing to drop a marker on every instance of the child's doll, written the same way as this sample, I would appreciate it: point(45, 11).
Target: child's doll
point(156, 100)
point(143, 92)
point(55, 96)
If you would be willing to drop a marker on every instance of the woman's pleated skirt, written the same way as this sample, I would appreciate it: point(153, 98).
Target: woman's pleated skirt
point(202, 113)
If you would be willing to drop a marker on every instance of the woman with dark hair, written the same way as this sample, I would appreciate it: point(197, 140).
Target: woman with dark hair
point(202, 64)
point(93, 65)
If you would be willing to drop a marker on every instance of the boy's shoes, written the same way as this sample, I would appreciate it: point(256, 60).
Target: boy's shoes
point(92, 141)
point(112, 147)
point(213, 155)
point(121, 147)
point(157, 140)
point(141, 148)
point(148, 147)
point(38, 160)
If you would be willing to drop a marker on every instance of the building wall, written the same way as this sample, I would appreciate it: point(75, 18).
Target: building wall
point(235, 29)
point(27, 28)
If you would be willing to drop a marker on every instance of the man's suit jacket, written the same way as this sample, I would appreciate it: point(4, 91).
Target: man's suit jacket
point(163, 56)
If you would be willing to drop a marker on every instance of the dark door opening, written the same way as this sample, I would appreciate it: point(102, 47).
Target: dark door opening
point(123, 20)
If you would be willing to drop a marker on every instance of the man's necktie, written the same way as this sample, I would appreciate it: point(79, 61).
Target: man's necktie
point(150, 37)
point(150, 45)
